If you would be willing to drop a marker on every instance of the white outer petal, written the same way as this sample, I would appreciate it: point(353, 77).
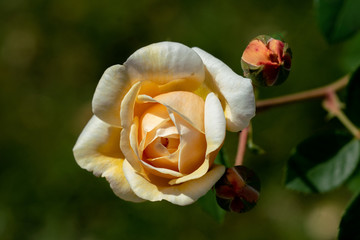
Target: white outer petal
point(110, 91)
point(180, 194)
point(215, 123)
point(236, 91)
point(164, 62)
point(97, 150)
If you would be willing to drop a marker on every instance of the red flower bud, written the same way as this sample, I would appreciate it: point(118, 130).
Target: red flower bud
point(267, 61)
point(238, 189)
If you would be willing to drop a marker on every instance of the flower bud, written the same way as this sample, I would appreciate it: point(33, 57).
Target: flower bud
point(266, 61)
point(238, 189)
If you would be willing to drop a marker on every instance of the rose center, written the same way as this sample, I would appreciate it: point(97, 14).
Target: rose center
point(164, 141)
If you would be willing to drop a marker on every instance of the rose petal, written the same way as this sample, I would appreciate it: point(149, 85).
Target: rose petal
point(192, 145)
point(192, 141)
point(215, 123)
point(161, 172)
point(256, 53)
point(109, 92)
point(182, 194)
point(190, 105)
point(277, 47)
point(164, 129)
point(169, 162)
point(188, 117)
point(153, 117)
point(198, 173)
point(165, 63)
point(189, 121)
point(97, 150)
point(235, 92)
point(127, 119)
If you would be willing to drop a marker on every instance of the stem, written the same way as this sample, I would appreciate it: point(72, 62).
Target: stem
point(333, 106)
point(348, 124)
point(241, 147)
point(309, 94)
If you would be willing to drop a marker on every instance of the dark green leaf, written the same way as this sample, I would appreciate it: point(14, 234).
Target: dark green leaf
point(338, 19)
point(229, 148)
point(209, 205)
point(322, 162)
point(354, 181)
point(349, 55)
point(222, 158)
point(353, 98)
point(349, 225)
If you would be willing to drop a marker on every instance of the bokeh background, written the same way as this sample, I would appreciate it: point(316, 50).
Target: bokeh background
point(52, 54)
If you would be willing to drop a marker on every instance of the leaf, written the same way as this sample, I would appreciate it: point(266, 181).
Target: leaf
point(209, 205)
point(222, 158)
point(353, 98)
point(354, 182)
point(349, 225)
point(338, 19)
point(229, 148)
point(349, 55)
point(322, 162)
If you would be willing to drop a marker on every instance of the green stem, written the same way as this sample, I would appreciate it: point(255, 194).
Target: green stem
point(348, 124)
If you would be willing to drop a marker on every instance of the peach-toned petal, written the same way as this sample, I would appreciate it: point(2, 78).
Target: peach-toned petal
point(153, 116)
point(109, 92)
point(198, 173)
point(182, 194)
point(192, 145)
point(235, 92)
point(169, 161)
point(156, 149)
point(97, 150)
point(164, 129)
point(188, 118)
point(188, 104)
point(161, 172)
point(256, 53)
point(165, 63)
point(277, 47)
point(192, 139)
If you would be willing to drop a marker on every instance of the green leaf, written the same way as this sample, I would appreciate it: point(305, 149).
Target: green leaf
point(349, 54)
point(209, 205)
point(354, 182)
point(349, 225)
point(338, 19)
point(353, 98)
point(222, 158)
point(322, 162)
point(229, 148)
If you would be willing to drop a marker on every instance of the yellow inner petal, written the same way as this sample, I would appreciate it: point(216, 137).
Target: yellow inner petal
point(173, 140)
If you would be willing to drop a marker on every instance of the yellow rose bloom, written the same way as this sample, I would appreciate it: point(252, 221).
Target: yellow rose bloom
point(160, 120)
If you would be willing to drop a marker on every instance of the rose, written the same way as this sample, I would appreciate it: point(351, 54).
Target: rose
point(159, 121)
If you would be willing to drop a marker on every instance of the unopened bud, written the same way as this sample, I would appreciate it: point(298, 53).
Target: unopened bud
point(266, 61)
point(238, 189)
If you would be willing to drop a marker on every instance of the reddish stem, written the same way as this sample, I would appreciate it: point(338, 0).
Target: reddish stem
point(243, 135)
point(333, 106)
point(309, 94)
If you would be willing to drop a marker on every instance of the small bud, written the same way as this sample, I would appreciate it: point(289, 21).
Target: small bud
point(238, 189)
point(266, 61)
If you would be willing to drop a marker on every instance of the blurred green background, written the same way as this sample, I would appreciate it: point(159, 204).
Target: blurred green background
point(52, 54)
